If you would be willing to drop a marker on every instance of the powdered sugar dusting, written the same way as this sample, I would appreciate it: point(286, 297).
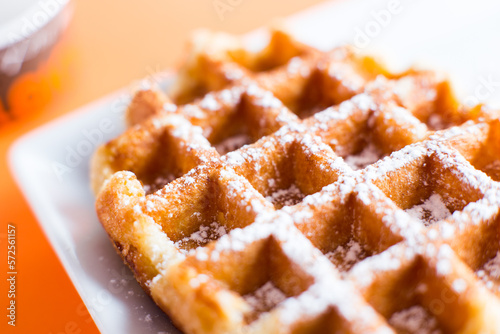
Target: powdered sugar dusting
point(323, 286)
point(443, 266)
point(430, 211)
point(343, 111)
point(344, 257)
point(395, 161)
point(158, 183)
point(367, 156)
point(232, 143)
point(286, 197)
point(459, 285)
point(294, 65)
point(265, 298)
point(264, 98)
point(492, 267)
point(202, 236)
point(209, 103)
point(415, 320)
point(490, 273)
point(169, 107)
point(364, 272)
point(493, 170)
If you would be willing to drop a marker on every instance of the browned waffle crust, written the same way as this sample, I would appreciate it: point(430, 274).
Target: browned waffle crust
point(298, 191)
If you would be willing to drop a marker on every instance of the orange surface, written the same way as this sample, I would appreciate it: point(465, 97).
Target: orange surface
point(109, 44)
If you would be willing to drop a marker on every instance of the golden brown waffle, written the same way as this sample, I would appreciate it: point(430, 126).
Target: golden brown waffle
point(295, 191)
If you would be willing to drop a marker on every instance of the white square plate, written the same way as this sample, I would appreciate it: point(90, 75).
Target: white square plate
point(51, 166)
point(51, 163)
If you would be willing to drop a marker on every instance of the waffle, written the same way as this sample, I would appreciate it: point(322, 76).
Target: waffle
point(296, 191)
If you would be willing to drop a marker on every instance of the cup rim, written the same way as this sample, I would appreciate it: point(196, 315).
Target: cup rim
point(12, 32)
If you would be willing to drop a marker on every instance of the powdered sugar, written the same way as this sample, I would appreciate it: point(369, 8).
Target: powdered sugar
point(490, 273)
point(395, 161)
point(158, 183)
point(264, 98)
point(451, 160)
point(363, 101)
point(294, 66)
point(401, 119)
point(443, 265)
point(436, 122)
point(415, 320)
point(230, 96)
point(364, 272)
point(233, 73)
point(286, 197)
point(493, 170)
point(235, 158)
point(202, 236)
point(347, 256)
point(232, 143)
point(459, 285)
point(325, 289)
point(193, 111)
point(367, 156)
point(430, 211)
point(343, 111)
point(346, 75)
point(265, 298)
point(169, 107)
point(492, 267)
point(210, 103)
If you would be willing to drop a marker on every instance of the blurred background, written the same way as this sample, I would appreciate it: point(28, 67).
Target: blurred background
point(86, 49)
point(106, 45)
